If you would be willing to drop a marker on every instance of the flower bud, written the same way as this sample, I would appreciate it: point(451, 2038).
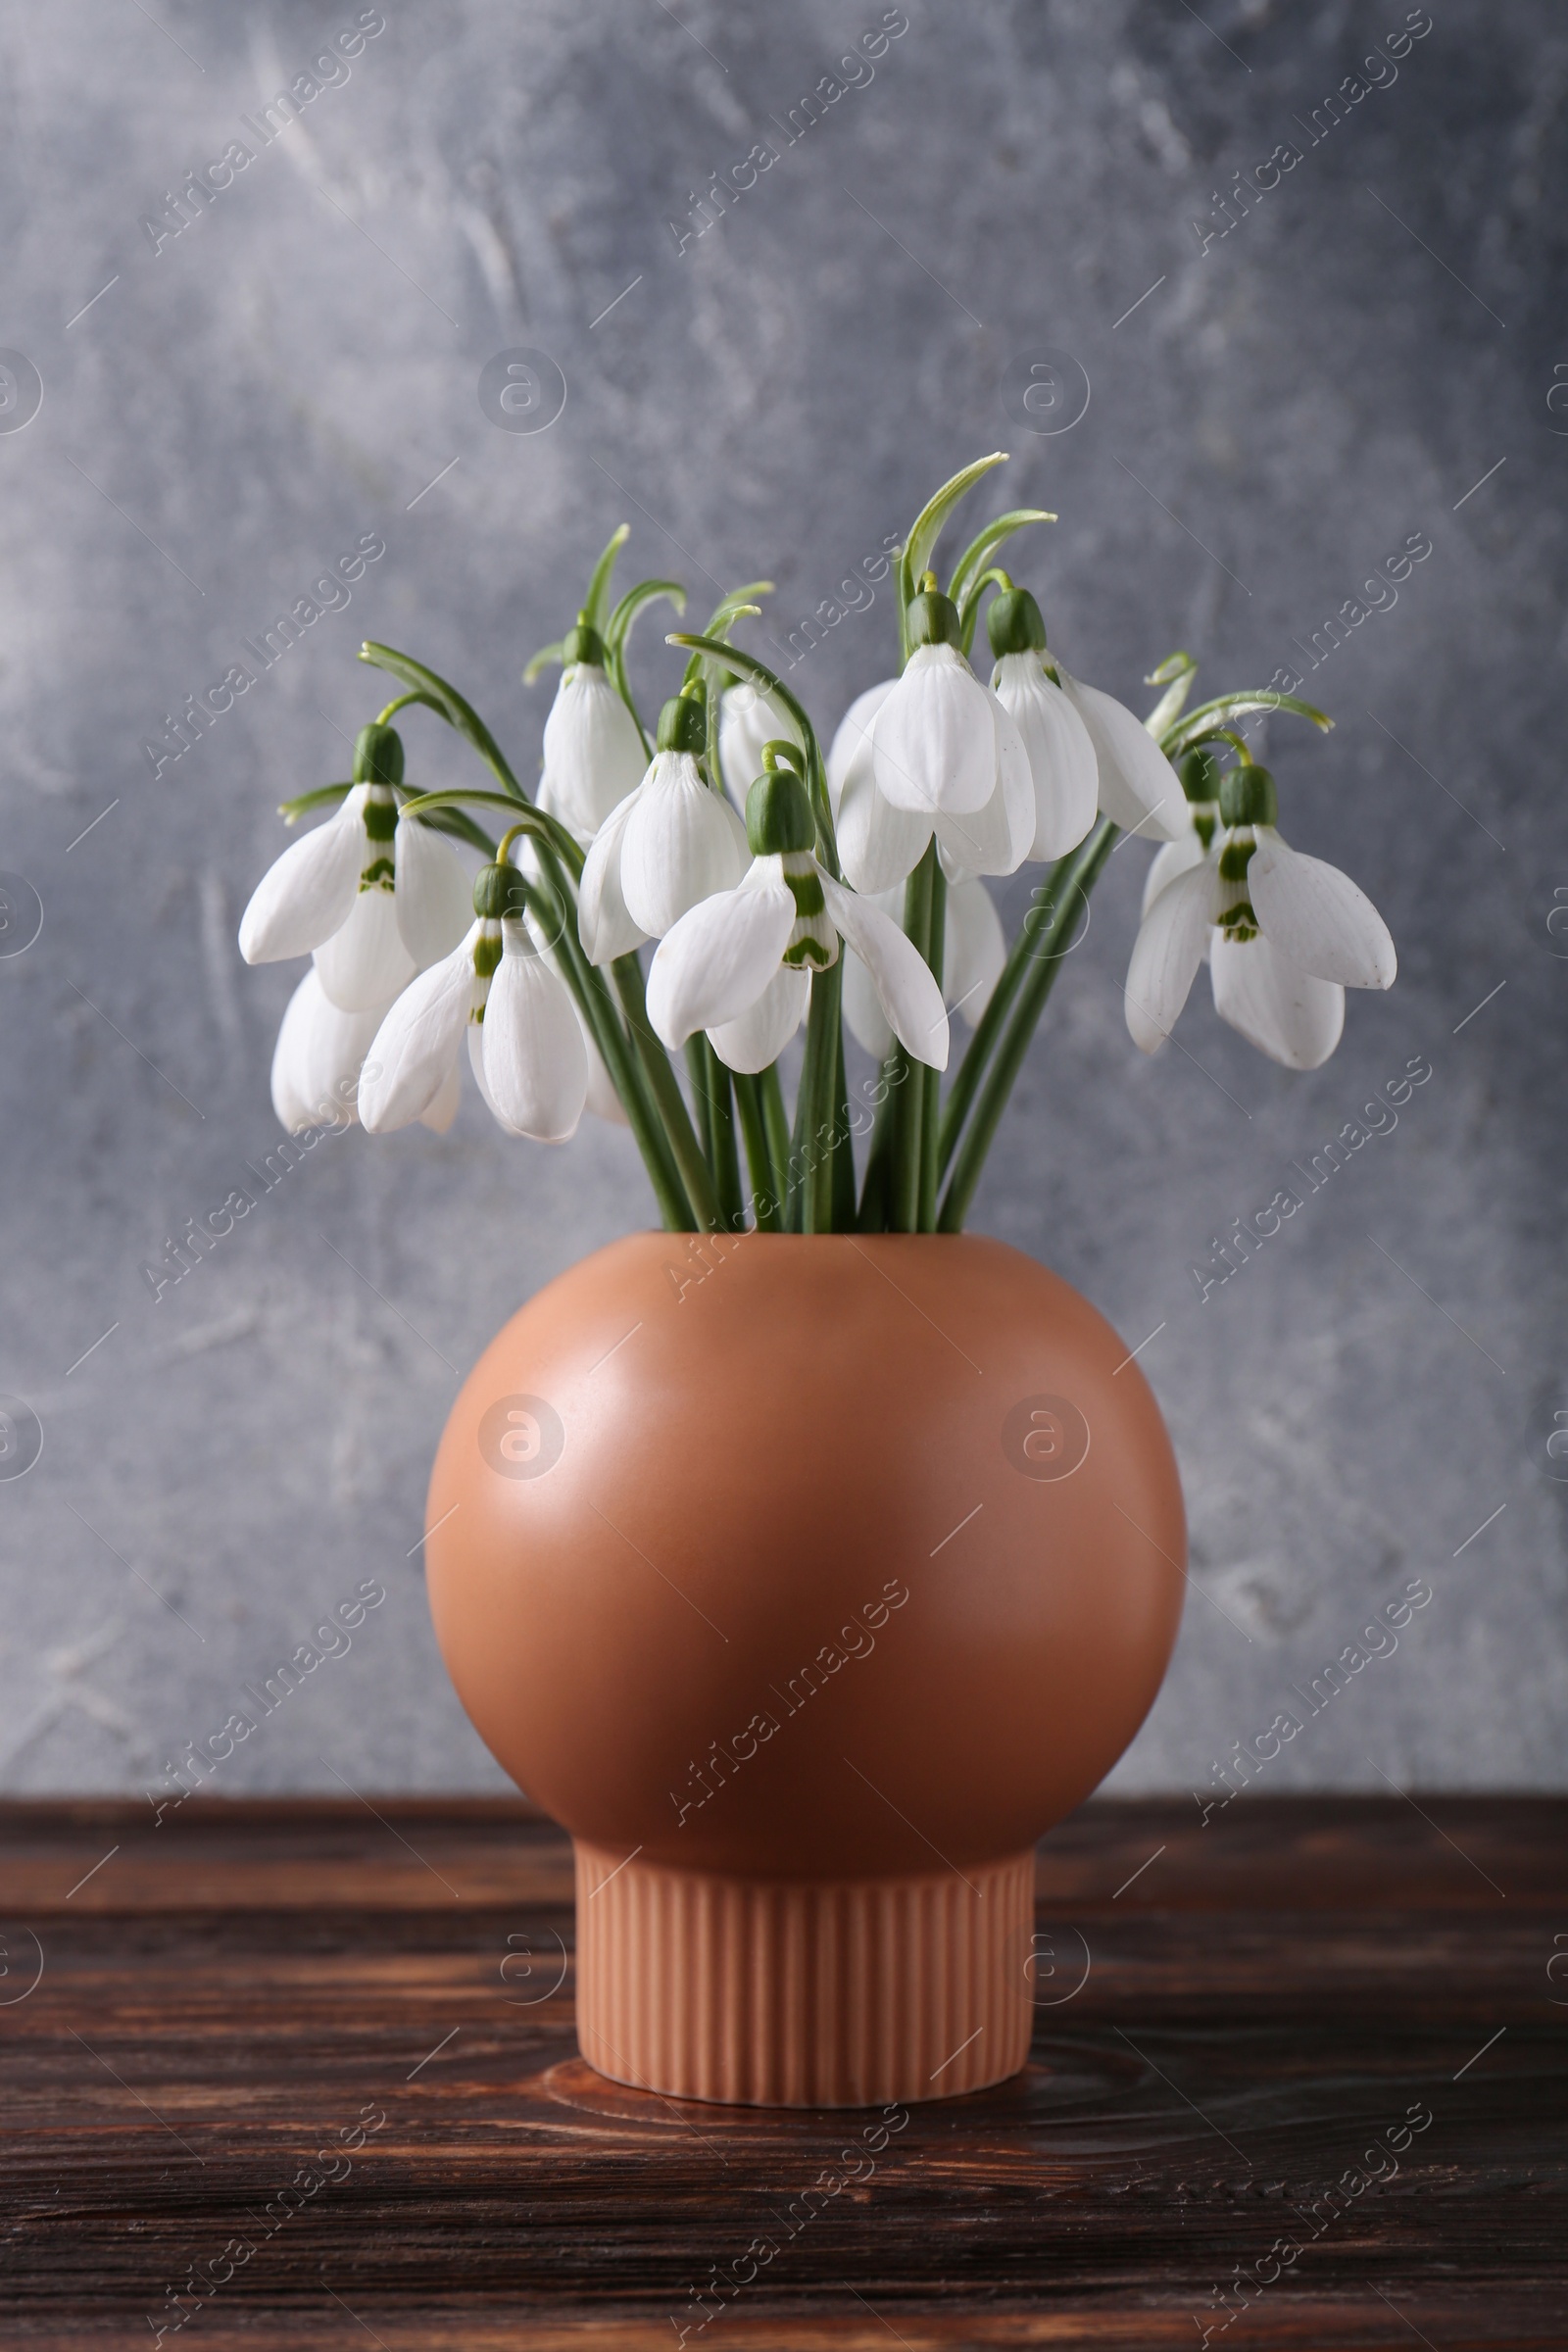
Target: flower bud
point(583, 643)
point(377, 755)
point(933, 617)
point(1200, 775)
point(683, 724)
point(500, 893)
point(779, 815)
point(1014, 624)
point(1247, 796)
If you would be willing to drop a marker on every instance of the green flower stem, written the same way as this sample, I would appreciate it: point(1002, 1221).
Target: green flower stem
point(905, 1187)
point(930, 1080)
point(702, 1101)
point(695, 1174)
point(1083, 872)
point(811, 1151)
point(598, 1007)
point(874, 1216)
point(987, 1029)
point(817, 774)
point(726, 1157)
point(401, 701)
point(446, 699)
point(775, 1120)
point(843, 1148)
point(766, 1200)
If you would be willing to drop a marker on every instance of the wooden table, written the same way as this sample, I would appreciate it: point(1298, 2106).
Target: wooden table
point(375, 2003)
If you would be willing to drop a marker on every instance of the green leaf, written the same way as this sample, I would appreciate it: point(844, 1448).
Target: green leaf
point(1176, 673)
point(599, 585)
point(326, 795)
point(543, 659)
point(446, 699)
point(1209, 717)
point(732, 607)
point(618, 629)
point(926, 528)
point(985, 544)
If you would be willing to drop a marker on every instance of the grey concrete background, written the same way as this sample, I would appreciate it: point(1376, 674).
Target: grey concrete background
point(1378, 336)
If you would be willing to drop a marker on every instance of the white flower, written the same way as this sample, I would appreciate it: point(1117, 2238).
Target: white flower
point(317, 1061)
point(750, 717)
point(525, 1042)
point(593, 754)
point(1061, 754)
point(934, 745)
point(1138, 789)
point(739, 963)
point(374, 896)
point(879, 843)
point(670, 843)
point(974, 951)
point(1287, 935)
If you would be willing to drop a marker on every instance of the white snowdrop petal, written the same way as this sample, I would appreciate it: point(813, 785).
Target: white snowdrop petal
point(603, 926)
point(995, 839)
point(714, 964)
point(759, 1035)
point(593, 754)
point(1138, 789)
point(439, 1114)
point(1291, 1016)
point(418, 1042)
point(933, 741)
point(681, 844)
point(365, 961)
point(475, 1052)
point(1170, 859)
point(750, 717)
point(902, 979)
point(850, 753)
point(308, 892)
point(1167, 955)
point(535, 1059)
point(974, 950)
point(1061, 756)
point(433, 897)
point(879, 845)
point(320, 1050)
point(869, 1024)
point(1317, 917)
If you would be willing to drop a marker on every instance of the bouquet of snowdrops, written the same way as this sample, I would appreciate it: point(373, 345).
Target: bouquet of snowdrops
point(783, 889)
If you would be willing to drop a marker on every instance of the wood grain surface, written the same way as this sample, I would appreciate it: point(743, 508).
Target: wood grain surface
point(368, 2004)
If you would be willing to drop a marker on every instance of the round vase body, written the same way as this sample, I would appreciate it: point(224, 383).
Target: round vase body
point(806, 1580)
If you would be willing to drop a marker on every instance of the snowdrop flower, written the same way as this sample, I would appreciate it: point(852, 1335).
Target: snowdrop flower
point(1200, 777)
point(1287, 936)
point(912, 735)
point(748, 718)
point(739, 963)
point(374, 897)
point(1062, 761)
point(974, 952)
point(320, 1053)
point(1138, 789)
point(593, 752)
point(525, 1044)
point(670, 843)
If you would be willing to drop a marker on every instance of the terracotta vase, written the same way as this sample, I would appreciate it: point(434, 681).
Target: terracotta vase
point(806, 1580)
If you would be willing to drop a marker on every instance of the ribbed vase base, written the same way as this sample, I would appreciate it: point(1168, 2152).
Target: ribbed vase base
point(775, 1992)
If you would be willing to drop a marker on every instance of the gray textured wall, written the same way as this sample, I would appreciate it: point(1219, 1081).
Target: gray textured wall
point(1285, 406)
